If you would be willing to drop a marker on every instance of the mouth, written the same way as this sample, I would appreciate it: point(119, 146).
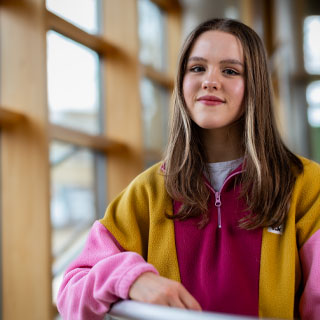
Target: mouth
point(210, 100)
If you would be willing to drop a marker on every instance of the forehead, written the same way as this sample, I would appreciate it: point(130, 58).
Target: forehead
point(217, 44)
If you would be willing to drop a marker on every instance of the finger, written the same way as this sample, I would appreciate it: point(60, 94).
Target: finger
point(188, 300)
point(176, 303)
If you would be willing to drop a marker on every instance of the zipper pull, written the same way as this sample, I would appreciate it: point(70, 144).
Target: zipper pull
point(218, 205)
point(218, 200)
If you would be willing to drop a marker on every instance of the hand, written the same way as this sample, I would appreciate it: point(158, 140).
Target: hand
point(155, 289)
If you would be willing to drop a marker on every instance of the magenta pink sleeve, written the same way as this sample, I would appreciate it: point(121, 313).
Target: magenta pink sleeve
point(310, 260)
point(101, 275)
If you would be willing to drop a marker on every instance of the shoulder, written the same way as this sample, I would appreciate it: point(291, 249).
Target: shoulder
point(306, 192)
point(306, 201)
point(310, 165)
point(149, 181)
point(152, 175)
point(147, 185)
point(310, 174)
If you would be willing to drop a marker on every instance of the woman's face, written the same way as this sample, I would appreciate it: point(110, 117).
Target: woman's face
point(213, 85)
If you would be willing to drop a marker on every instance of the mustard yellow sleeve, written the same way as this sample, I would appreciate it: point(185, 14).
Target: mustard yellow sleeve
point(137, 219)
point(306, 199)
point(127, 216)
point(280, 265)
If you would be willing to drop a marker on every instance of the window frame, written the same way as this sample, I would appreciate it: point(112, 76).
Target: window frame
point(26, 133)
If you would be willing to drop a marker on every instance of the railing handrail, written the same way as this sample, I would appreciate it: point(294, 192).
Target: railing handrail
point(133, 310)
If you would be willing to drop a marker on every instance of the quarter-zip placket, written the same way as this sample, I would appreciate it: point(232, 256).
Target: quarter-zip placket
point(217, 195)
point(217, 203)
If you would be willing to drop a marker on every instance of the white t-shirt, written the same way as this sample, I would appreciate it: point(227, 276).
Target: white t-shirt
point(220, 170)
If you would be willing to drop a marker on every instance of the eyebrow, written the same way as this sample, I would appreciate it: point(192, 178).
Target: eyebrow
point(231, 61)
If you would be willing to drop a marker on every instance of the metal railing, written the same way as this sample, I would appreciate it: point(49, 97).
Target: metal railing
point(133, 310)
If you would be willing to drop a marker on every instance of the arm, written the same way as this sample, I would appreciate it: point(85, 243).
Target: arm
point(308, 239)
point(310, 262)
point(152, 288)
point(101, 275)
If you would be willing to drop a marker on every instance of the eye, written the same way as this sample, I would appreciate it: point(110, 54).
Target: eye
point(230, 72)
point(197, 69)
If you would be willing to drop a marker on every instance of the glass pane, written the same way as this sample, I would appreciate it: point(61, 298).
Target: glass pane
point(73, 203)
point(155, 102)
point(232, 12)
point(152, 34)
point(314, 116)
point(82, 13)
point(315, 143)
point(73, 84)
point(311, 44)
point(313, 99)
point(313, 93)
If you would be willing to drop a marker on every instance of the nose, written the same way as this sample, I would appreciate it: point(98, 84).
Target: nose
point(211, 84)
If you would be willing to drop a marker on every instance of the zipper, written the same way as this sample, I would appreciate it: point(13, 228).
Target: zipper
point(217, 195)
point(217, 203)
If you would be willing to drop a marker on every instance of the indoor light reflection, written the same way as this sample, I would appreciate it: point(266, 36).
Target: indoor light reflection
point(82, 13)
point(73, 83)
point(311, 44)
point(313, 99)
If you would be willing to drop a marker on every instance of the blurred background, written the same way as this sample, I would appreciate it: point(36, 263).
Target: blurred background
point(85, 88)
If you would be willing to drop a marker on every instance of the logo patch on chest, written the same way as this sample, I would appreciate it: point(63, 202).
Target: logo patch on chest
point(276, 230)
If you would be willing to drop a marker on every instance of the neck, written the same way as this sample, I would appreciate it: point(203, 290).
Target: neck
point(223, 144)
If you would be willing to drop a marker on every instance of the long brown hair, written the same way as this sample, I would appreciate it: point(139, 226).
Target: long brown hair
point(269, 175)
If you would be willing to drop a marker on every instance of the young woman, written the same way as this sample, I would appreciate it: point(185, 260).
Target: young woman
point(229, 221)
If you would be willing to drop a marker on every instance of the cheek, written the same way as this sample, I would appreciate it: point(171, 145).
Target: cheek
point(188, 89)
point(240, 95)
point(238, 90)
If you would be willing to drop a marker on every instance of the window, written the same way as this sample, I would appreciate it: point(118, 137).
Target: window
point(74, 203)
point(82, 13)
point(155, 112)
point(73, 84)
point(313, 99)
point(156, 84)
point(152, 34)
point(311, 44)
point(81, 136)
point(312, 65)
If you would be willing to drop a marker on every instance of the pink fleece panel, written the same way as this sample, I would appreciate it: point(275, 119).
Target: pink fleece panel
point(310, 260)
point(101, 275)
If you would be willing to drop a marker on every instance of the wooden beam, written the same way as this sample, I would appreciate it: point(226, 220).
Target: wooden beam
point(25, 201)
point(96, 142)
point(298, 16)
point(305, 78)
point(168, 5)
point(269, 24)
point(123, 116)
point(174, 38)
point(247, 12)
point(152, 155)
point(157, 76)
point(71, 31)
point(10, 117)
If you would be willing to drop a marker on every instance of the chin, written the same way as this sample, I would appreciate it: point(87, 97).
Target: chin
point(210, 126)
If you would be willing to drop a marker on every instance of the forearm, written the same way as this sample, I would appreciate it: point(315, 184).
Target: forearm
point(102, 274)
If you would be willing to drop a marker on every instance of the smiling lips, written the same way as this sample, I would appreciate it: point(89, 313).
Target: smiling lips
point(210, 100)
